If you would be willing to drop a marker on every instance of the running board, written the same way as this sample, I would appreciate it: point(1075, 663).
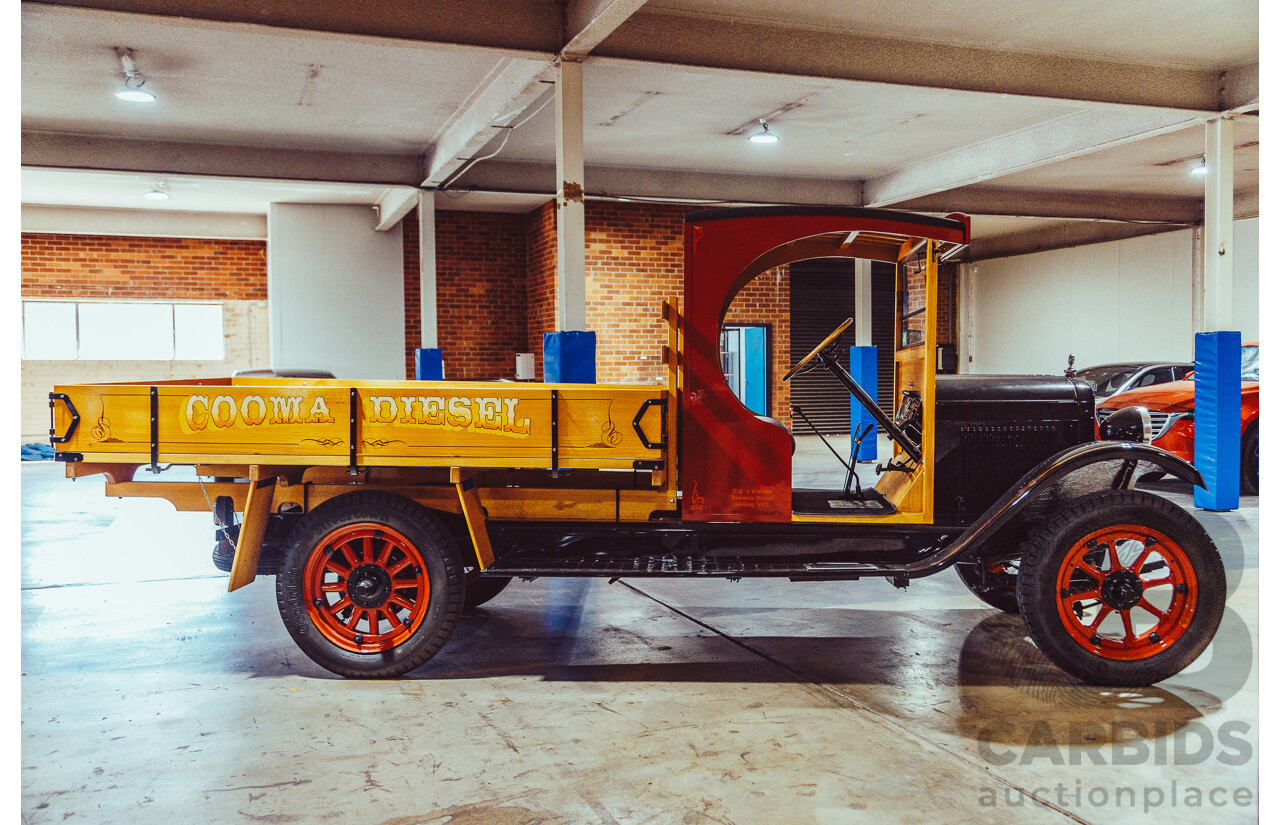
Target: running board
point(679, 566)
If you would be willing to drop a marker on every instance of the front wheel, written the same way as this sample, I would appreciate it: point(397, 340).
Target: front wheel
point(1249, 461)
point(1122, 588)
point(371, 585)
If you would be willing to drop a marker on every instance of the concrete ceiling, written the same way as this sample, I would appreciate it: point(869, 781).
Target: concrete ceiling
point(243, 85)
point(1201, 34)
point(1089, 110)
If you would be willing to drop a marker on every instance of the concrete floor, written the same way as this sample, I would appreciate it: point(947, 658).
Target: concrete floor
point(152, 695)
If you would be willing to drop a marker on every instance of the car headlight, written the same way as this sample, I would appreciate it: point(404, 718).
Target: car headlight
point(1128, 424)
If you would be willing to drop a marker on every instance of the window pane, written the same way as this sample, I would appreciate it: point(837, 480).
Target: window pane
point(48, 330)
point(126, 332)
point(197, 332)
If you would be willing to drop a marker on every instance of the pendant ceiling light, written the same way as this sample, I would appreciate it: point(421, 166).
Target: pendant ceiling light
point(764, 135)
point(132, 89)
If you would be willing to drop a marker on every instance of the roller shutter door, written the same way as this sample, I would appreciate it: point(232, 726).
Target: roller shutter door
point(822, 298)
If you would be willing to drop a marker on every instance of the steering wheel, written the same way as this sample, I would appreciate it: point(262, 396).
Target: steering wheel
point(829, 342)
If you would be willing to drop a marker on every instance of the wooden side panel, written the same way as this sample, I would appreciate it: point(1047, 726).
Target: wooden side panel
point(396, 424)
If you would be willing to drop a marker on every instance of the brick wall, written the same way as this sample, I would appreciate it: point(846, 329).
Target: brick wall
point(540, 264)
point(635, 259)
point(481, 262)
point(121, 268)
point(412, 292)
point(101, 267)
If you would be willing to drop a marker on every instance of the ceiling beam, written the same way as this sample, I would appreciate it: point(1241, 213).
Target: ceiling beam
point(663, 184)
point(394, 204)
point(1079, 133)
point(69, 151)
point(663, 37)
point(995, 200)
point(532, 27)
point(1240, 89)
point(589, 22)
point(1060, 236)
point(509, 89)
point(80, 220)
point(515, 85)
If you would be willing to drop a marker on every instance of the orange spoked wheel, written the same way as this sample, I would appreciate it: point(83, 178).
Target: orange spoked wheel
point(1122, 588)
point(372, 585)
point(1126, 592)
point(367, 589)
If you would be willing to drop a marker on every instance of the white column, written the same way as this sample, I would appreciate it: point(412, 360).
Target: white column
point(571, 235)
point(862, 302)
point(1219, 285)
point(335, 291)
point(427, 267)
point(965, 285)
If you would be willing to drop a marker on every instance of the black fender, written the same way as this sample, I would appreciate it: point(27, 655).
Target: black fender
point(1044, 476)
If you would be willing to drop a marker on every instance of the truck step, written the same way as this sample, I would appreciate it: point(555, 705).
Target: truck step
point(677, 566)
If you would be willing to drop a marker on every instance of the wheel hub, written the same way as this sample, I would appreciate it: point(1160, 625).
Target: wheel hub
point(1121, 590)
point(369, 585)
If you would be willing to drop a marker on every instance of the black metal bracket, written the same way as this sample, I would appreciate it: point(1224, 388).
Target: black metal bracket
point(641, 464)
point(635, 424)
point(70, 458)
point(54, 397)
point(355, 414)
point(555, 429)
point(155, 431)
point(1125, 474)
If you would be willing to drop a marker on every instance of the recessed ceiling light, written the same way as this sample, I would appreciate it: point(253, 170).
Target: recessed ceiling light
point(131, 90)
point(764, 135)
point(159, 192)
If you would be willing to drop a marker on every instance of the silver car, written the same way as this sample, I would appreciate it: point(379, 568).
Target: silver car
point(1109, 379)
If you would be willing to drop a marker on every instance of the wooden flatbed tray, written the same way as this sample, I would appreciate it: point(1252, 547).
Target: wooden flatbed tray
point(328, 422)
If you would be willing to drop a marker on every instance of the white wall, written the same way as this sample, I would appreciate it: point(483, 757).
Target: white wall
point(1116, 301)
point(336, 291)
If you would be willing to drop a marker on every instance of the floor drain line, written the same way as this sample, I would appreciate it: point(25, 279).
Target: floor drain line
point(849, 700)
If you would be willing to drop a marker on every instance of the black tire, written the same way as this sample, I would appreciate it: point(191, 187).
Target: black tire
point(396, 530)
point(481, 589)
point(1140, 514)
point(1249, 461)
point(999, 589)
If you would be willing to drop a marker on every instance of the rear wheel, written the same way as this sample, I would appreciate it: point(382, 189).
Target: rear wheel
point(371, 585)
point(1249, 461)
point(1122, 588)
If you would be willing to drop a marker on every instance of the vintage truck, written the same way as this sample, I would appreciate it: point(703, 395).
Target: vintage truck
point(385, 508)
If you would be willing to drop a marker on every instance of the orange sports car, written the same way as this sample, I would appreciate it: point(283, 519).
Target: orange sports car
point(1172, 409)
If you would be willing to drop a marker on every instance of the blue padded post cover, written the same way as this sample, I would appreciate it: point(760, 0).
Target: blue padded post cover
point(569, 357)
point(862, 367)
point(428, 364)
point(1217, 450)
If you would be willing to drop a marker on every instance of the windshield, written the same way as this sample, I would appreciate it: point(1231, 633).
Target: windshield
point(1106, 380)
point(1249, 363)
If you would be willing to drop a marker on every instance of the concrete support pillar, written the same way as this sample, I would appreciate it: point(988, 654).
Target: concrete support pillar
point(862, 302)
point(1219, 285)
point(966, 275)
point(427, 268)
point(571, 236)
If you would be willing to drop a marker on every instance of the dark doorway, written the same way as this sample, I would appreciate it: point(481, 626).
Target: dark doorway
point(823, 295)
